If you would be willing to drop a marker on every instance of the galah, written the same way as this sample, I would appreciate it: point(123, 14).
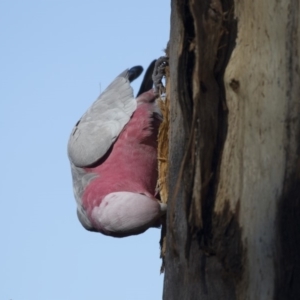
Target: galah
point(113, 155)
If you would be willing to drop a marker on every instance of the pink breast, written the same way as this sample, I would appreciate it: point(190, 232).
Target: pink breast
point(132, 163)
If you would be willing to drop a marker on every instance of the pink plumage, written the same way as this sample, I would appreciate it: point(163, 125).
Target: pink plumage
point(116, 193)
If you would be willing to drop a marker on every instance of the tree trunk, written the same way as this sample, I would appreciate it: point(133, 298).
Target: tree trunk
point(233, 221)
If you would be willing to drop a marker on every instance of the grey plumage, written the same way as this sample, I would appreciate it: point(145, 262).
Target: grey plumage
point(99, 127)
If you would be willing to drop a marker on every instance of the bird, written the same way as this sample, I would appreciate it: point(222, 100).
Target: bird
point(113, 156)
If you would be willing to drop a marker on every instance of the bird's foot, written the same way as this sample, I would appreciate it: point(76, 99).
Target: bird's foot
point(159, 73)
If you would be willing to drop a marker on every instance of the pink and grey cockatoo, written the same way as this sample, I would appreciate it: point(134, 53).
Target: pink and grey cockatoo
point(113, 155)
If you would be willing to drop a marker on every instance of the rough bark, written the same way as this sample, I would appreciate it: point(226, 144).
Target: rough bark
point(233, 222)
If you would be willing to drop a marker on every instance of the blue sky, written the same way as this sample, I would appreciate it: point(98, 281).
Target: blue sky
point(55, 57)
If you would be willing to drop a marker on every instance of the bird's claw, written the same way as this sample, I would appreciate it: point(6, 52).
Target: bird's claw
point(159, 73)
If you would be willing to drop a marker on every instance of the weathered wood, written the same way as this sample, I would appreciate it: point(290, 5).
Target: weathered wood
point(233, 223)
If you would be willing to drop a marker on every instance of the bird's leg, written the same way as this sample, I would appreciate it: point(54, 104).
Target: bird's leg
point(159, 73)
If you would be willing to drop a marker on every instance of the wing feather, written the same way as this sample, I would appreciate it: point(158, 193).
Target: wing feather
point(99, 127)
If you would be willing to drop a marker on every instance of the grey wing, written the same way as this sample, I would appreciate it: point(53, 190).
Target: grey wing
point(81, 179)
point(99, 127)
